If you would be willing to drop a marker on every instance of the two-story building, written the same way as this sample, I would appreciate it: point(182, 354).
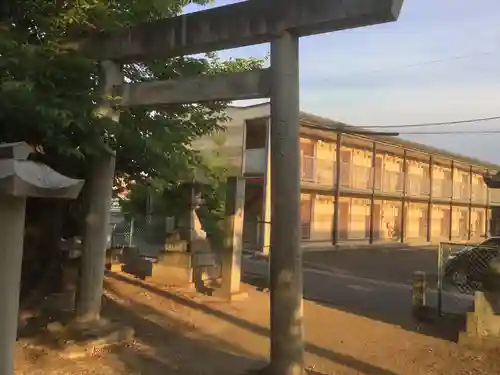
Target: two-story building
point(381, 189)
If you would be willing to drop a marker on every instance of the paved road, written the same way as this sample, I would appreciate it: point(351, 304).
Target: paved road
point(377, 299)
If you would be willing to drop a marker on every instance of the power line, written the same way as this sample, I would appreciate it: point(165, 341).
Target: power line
point(473, 120)
point(429, 62)
point(477, 132)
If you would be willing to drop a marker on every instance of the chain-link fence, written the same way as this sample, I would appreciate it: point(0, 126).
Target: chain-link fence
point(256, 236)
point(122, 234)
point(147, 233)
point(461, 271)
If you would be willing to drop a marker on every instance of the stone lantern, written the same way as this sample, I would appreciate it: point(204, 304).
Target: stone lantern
point(20, 178)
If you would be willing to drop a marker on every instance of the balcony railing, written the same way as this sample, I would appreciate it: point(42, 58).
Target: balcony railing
point(392, 182)
point(305, 231)
point(494, 196)
point(417, 185)
point(322, 172)
point(479, 194)
point(357, 177)
point(441, 189)
point(318, 171)
point(461, 191)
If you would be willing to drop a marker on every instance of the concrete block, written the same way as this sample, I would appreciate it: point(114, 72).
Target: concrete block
point(478, 342)
point(483, 321)
point(481, 305)
point(113, 255)
point(172, 275)
point(139, 267)
point(175, 259)
point(220, 295)
point(471, 324)
point(115, 267)
point(176, 246)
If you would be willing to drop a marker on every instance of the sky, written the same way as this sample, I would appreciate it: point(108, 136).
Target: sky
point(439, 62)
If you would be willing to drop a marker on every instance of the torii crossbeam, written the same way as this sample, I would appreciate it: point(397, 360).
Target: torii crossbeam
point(237, 25)
point(282, 23)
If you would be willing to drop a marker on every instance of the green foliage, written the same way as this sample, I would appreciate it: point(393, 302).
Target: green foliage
point(48, 95)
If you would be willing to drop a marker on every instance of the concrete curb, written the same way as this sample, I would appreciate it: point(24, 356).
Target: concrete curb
point(351, 247)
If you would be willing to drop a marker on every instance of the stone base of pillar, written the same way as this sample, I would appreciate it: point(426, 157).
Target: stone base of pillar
point(485, 342)
point(78, 340)
point(229, 297)
point(185, 269)
point(180, 276)
point(268, 370)
point(115, 267)
point(483, 324)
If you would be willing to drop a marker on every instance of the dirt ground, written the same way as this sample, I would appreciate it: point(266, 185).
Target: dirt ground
point(181, 332)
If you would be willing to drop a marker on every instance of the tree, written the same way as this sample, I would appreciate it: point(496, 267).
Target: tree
point(48, 95)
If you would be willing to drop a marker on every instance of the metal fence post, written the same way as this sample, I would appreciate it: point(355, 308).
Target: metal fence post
point(440, 279)
point(131, 233)
point(112, 237)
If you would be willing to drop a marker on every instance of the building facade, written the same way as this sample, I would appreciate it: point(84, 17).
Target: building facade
point(358, 188)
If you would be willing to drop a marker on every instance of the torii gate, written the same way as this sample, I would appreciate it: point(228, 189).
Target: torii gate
point(280, 22)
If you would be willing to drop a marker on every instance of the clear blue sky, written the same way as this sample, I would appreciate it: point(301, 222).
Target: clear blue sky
point(364, 76)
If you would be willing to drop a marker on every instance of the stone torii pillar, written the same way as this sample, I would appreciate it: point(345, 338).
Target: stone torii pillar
point(20, 178)
point(280, 22)
point(286, 255)
point(89, 293)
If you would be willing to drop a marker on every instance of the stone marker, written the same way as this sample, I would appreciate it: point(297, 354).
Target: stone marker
point(419, 293)
point(187, 258)
point(231, 258)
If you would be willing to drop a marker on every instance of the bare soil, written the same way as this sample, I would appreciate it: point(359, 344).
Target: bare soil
point(182, 332)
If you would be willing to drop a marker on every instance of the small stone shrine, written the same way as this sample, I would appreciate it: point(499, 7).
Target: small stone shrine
point(187, 257)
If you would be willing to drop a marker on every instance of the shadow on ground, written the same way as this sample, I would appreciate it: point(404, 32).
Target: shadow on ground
point(393, 265)
point(341, 359)
point(168, 345)
point(373, 285)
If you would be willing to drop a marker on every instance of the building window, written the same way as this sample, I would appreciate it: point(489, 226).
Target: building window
point(416, 221)
point(307, 160)
point(305, 216)
point(256, 133)
point(345, 168)
point(379, 170)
